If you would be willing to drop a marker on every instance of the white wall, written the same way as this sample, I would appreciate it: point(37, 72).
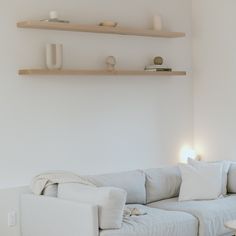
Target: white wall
point(214, 50)
point(90, 124)
point(10, 202)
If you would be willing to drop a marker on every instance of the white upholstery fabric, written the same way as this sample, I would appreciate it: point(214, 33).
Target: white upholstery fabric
point(232, 178)
point(156, 223)
point(133, 182)
point(162, 183)
point(51, 191)
point(212, 214)
point(201, 182)
point(47, 216)
point(225, 170)
point(110, 201)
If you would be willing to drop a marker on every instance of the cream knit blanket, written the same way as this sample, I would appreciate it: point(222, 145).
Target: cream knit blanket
point(42, 181)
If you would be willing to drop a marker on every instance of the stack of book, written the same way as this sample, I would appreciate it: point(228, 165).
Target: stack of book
point(157, 68)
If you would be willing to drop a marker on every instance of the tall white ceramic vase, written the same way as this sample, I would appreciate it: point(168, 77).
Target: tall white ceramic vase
point(54, 55)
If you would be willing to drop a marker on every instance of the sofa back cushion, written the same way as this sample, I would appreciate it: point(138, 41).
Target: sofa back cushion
point(133, 182)
point(110, 201)
point(231, 178)
point(162, 183)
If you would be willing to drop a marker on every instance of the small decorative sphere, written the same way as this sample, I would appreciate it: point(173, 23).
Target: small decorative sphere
point(158, 60)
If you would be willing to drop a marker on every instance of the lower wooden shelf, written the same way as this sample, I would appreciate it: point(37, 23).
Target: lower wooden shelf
point(65, 72)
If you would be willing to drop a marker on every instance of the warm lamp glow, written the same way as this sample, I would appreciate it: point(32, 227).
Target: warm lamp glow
point(187, 152)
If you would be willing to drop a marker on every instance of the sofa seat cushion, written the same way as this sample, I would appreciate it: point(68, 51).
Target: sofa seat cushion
point(133, 182)
point(211, 214)
point(156, 222)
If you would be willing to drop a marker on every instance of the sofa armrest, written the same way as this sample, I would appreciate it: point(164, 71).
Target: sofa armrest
point(48, 216)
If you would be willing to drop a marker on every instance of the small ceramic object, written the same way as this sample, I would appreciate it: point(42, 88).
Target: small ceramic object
point(158, 60)
point(108, 23)
point(54, 56)
point(157, 23)
point(111, 63)
point(53, 15)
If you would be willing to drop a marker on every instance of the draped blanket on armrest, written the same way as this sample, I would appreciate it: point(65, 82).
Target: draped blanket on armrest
point(42, 181)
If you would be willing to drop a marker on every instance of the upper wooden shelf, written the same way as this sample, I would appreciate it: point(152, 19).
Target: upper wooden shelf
point(64, 72)
point(98, 29)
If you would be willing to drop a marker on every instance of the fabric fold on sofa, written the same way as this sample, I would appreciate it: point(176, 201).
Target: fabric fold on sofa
point(211, 214)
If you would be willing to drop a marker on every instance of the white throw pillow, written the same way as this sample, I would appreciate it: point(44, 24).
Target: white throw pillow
point(225, 170)
point(110, 201)
point(200, 183)
point(231, 178)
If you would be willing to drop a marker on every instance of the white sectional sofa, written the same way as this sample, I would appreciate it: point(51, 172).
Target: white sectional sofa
point(153, 191)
